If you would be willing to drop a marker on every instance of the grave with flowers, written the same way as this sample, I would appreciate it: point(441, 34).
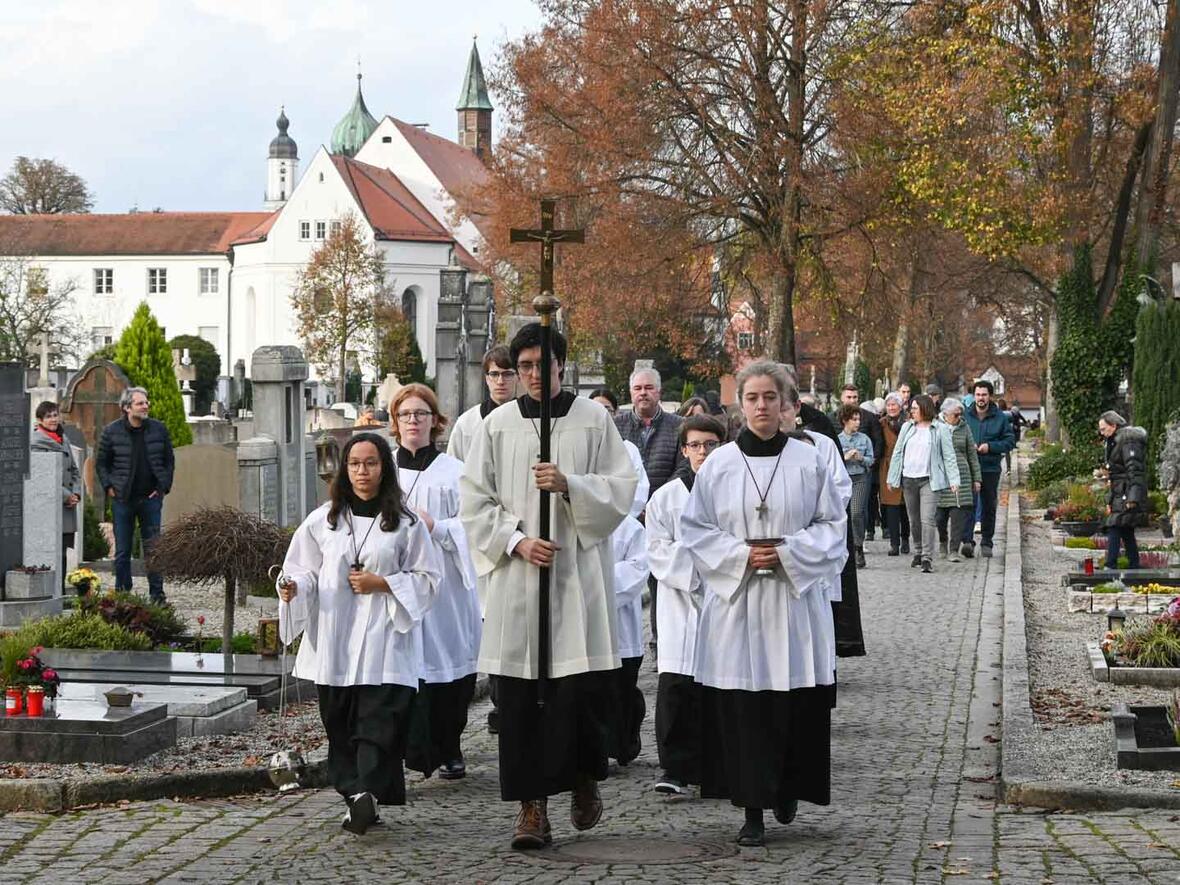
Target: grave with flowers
point(1140, 650)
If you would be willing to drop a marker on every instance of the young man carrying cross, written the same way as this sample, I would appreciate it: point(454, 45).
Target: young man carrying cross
point(560, 746)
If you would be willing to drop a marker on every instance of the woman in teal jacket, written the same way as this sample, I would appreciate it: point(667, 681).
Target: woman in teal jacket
point(923, 464)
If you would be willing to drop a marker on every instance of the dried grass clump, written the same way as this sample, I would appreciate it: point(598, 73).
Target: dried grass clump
point(213, 544)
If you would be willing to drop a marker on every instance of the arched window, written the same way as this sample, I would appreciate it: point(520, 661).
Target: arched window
point(410, 310)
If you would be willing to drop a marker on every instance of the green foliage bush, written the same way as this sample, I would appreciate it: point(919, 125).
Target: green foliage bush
point(242, 644)
point(1157, 374)
point(1081, 544)
point(1155, 643)
point(1052, 493)
point(1082, 504)
point(94, 543)
point(1057, 463)
point(144, 354)
point(159, 623)
point(77, 630)
point(208, 363)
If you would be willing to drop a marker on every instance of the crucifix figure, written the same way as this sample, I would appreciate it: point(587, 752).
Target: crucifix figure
point(546, 306)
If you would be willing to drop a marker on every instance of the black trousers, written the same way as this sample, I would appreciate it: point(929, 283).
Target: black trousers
point(873, 515)
point(367, 727)
point(437, 723)
point(989, 496)
point(651, 586)
point(897, 523)
point(548, 750)
point(630, 708)
point(678, 727)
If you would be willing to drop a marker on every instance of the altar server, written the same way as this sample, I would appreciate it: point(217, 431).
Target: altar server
point(562, 746)
point(361, 572)
point(500, 377)
point(766, 527)
point(450, 630)
point(631, 571)
point(678, 696)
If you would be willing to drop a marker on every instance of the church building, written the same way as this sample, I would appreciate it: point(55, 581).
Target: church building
point(228, 276)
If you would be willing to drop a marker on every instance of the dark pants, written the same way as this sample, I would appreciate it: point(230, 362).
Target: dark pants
point(366, 727)
point(630, 708)
point(873, 516)
point(959, 517)
point(437, 723)
point(897, 523)
point(651, 586)
point(678, 727)
point(1125, 534)
point(125, 513)
point(987, 500)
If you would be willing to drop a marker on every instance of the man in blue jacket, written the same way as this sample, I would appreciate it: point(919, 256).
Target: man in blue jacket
point(134, 465)
point(993, 437)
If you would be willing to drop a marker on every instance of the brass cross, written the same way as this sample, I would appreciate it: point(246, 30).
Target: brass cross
point(547, 235)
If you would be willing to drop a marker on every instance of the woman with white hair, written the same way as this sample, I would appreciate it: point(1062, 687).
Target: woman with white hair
point(766, 527)
point(1126, 469)
point(957, 505)
point(897, 524)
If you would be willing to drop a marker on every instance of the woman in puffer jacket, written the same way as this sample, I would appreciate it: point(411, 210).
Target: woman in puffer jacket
point(1126, 470)
point(957, 505)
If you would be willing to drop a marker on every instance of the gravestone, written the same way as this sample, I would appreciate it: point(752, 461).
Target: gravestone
point(88, 731)
point(43, 390)
point(258, 477)
point(461, 339)
point(277, 374)
point(14, 463)
point(91, 403)
point(198, 709)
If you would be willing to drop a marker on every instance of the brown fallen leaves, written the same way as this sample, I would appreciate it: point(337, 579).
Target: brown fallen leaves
point(1055, 705)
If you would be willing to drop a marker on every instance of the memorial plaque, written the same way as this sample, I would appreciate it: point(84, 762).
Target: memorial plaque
point(14, 463)
point(92, 402)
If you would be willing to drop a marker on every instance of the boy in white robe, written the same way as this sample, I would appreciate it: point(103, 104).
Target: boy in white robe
point(361, 573)
point(562, 746)
point(678, 697)
point(630, 551)
point(766, 527)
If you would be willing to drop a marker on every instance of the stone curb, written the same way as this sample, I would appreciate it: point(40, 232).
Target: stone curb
point(1020, 783)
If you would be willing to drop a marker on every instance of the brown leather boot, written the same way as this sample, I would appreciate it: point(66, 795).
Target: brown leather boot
point(585, 805)
point(532, 825)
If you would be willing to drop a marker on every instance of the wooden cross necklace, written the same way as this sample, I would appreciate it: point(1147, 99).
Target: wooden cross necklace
point(762, 509)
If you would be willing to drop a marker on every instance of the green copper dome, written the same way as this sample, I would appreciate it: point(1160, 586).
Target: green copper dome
point(474, 96)
point(356, 127)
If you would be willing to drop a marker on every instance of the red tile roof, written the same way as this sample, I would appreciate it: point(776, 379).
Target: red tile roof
point(457, 167)
point(137, 233)
point(393, 212)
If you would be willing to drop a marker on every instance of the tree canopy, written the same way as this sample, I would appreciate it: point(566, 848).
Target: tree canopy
point(143, 353)
point(43, 187)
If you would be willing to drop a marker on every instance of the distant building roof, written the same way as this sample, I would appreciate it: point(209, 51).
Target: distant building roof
point(135, 233)
point(356, 126)
point(390, 209)
point(456, 167)
point(474, 95)
point(282, 146)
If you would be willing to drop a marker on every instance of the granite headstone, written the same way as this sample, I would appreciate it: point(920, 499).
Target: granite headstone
point(14, 463)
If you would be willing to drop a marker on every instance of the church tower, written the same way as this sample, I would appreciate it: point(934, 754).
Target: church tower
point(282, 165)
point(475, 109)
point(355, 127)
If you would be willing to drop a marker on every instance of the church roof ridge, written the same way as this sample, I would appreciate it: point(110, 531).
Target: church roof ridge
point(389, 207)
point(474, 94)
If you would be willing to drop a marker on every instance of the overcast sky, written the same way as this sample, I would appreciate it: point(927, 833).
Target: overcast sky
point(172, 103)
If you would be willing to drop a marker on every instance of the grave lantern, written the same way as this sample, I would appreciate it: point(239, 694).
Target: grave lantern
point(327, 457)
point(1115, 618)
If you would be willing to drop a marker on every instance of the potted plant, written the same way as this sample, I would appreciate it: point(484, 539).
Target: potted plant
point(1081, 513)
point(22, 669)
point(84, 581)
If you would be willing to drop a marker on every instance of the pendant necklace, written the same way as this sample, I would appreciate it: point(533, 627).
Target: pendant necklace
point(356, 551)
point(536, 430)
point(761, 510)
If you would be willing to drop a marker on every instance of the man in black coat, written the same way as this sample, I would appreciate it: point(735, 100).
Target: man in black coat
point(134, 465)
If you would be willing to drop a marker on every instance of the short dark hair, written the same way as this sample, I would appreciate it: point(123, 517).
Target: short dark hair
point(46, 407)
point(607, 395)
point(925, 406)
point(847, 412)
point(702, 423)
point(984, 383)
point(530, 336)
point(497, 356)
point(850, 387)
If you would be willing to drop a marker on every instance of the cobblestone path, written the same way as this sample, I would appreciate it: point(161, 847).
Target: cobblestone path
point(914, 755)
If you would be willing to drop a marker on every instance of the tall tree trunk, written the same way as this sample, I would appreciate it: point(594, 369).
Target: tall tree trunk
point(1052, 422)
point(781, 329)
point(901, 341)
point(1157, 158)
point(1108, 286)
point(341, 379)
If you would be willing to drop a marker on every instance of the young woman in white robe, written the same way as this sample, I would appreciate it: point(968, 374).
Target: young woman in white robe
point(631, 571)
point(361, 572)
point(766, 527)
point(678, 696)
point(450, 630)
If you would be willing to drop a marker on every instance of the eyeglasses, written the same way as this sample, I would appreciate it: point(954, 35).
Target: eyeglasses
point(706, 446)
point(414, 415)
point(368, 466)
point(506, 374)
point(528, 368)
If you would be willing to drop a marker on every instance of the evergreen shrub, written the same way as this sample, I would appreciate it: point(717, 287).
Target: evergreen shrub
point(76, 630)
point(143, 353)
point(1057, 463)
point(1157, 375)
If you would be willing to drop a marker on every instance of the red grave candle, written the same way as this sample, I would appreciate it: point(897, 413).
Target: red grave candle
point(12, 702)
point(35, 701)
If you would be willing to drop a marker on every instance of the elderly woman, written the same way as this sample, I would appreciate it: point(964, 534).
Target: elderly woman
point(957, 505)
point(897, 523)
point(48, 437)
point(1126, 470)
point(766, 528)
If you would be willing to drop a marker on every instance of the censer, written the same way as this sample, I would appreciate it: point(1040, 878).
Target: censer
point(286, 767)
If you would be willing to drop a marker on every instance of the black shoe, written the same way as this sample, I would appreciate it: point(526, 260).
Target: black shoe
point(985, 550)
point(786, 812)
point(870, 536)
point(752, 835)
point(916, 561)
point(968, 551)
point(892, 552)
point(493, 721)
point(927, 566)
point(905, 547)
point(860, 557)
point(362, 813)
point(453, 770)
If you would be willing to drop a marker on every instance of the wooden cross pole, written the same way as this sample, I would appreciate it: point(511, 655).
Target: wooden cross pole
point(546, 306)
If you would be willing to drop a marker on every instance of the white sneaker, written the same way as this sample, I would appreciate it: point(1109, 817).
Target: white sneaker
point(955, 557)
point(671, 786)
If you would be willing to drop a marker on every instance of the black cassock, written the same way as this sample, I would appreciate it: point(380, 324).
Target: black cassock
point(850, 641)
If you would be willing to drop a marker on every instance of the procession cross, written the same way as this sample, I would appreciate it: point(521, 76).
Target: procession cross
point(546, 306)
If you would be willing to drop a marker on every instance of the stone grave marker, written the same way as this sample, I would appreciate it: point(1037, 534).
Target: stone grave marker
point(277, 374)
point(198, 709)
point(14, 464)
point(88, 731)
point(90, 404)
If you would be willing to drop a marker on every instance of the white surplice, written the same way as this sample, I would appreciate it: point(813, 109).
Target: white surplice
point(463, 432)
point(450, 630)
point(499, 500)
point(643, 487)
point(834, 458)
point(770, 632)
point(679, 586)
point(631, 571)
point(351, 638)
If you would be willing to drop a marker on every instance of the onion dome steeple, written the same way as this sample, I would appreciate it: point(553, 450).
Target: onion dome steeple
point(356, 126)
point(282, 146)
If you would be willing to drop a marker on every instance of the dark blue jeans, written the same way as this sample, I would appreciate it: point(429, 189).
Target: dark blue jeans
point(1126, 534)
point(986, 502)
point(125, 513)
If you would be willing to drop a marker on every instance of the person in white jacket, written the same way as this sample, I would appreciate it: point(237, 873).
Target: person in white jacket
point(631, 571)
point(360, 574)
point(678, 696)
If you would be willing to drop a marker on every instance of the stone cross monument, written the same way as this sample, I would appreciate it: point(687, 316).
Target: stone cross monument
point(277, 374)
point(461, 339)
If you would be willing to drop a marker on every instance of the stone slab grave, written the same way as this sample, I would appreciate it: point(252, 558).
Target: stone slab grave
point(1130, 603)
point(199, 710)
point(1160, 677)
point(1169, 577)
point(259, 675)
point(88, 731)
point(1143, 738)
